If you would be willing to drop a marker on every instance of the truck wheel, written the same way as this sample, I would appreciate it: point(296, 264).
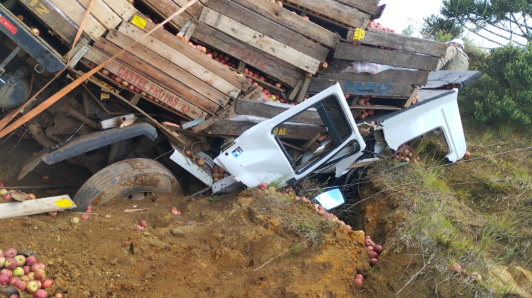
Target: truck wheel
point(127, 178)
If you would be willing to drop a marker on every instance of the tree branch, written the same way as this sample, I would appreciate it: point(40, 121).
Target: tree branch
point(480, 35)
point(502, 36)
point(518, 26)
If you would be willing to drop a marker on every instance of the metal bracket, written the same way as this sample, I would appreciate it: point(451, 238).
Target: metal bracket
point(193, 123)
point(78, 56)
point(37, 70)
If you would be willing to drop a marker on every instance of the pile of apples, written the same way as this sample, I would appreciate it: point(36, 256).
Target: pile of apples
point(218, 173)
point(364, 101)
point(407, 154)
point(24, 273)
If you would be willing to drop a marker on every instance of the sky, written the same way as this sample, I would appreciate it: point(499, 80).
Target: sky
point(398, 14)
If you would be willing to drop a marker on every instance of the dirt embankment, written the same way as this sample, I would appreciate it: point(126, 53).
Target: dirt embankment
point(229, 247)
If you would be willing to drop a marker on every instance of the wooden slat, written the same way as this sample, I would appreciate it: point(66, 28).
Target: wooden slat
point(76, 13)
point(167, 8)
point(39, 206)
point(337, 11)
point(180, 60)
point(146, 85)
point(194, 10)
point(291, 21)
point(285, 131)
point(248, 54)
point(212, 65)
point(105, 15)
point(401, 42)
point(412, 97)
point(364, 88)
point(254, 108)
point(362, 5)
point(53, 18)
point(386, 57)
point(374, 107)
point(171, 69)
point(258, 40)
point(161, 78)
point(123, 9)
point(268, 27)
point(388, 76)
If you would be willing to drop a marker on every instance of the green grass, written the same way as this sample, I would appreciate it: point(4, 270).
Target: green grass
point(476, 214)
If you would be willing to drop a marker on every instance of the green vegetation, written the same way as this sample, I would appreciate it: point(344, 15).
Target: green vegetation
point(477, 214)
point(502, 95)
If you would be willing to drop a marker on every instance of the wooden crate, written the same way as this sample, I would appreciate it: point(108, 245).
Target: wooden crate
point(146, 84)
point(264, 35)
point(166, 8)
point(361, 88)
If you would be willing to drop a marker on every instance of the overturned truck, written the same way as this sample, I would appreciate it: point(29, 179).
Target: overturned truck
point(228, 93)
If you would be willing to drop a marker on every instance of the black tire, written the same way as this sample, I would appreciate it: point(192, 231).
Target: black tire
point(124, 179)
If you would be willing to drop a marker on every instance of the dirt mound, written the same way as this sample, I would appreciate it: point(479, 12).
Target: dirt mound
point(219, 247)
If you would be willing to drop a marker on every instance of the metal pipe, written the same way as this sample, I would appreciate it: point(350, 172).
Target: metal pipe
point(80, 117)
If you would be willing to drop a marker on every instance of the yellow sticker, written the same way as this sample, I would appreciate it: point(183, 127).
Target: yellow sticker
point(140, 22)
point(63, 203)
point(359, 34)
point(105, 96)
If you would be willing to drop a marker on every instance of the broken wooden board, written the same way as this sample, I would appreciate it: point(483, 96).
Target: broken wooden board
point(212, 65)
point(123, 9)
point(383, 90)
point(292, 21)
point(386, 57)
point(194, 10)
point(258, 40)
point(75, 12)
point(256, 108)
point(161, 78)
point(146, 85)
point(400, 42)
point(180, 60)
point(268, 64)
point(388, 76)
point(284, 131)
point(172, 70)
point(39, 206)
point(103, 13)
point(269, 28)
point(53, 18)
point(336, 11)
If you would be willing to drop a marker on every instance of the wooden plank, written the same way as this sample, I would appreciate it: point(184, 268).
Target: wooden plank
point(172, 70)
point(292, 21)
point(39, 206)
point(167, 8)
point(76, 13)
point(255, 108)
point(304, 90)
point(401, 42)
point(363, 88)
point(53, 18)
point(337, 11)
point(374, 107)
point(263, 62)
point(284, 131)
point(146, 85)
point(259, 40)
point(294, 92)
point(362, 5)
point(123, 9)
point(212, 65)
point(386, 57)
point(194, 10)
point(254, 95)
point(105, 15)
point(157, 76)
point(412, 97)
point(388, 76)
point(268, 27)
point(180, 60)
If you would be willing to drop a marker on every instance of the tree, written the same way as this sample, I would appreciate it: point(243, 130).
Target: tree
point(502, 94)
point(505, 19)
point(434, 25)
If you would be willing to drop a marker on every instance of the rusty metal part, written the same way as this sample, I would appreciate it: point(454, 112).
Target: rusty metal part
point(39, 135)
point(125, 179)
point(80, 117)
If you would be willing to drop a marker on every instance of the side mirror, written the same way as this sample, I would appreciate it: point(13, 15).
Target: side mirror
point(330, 199)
